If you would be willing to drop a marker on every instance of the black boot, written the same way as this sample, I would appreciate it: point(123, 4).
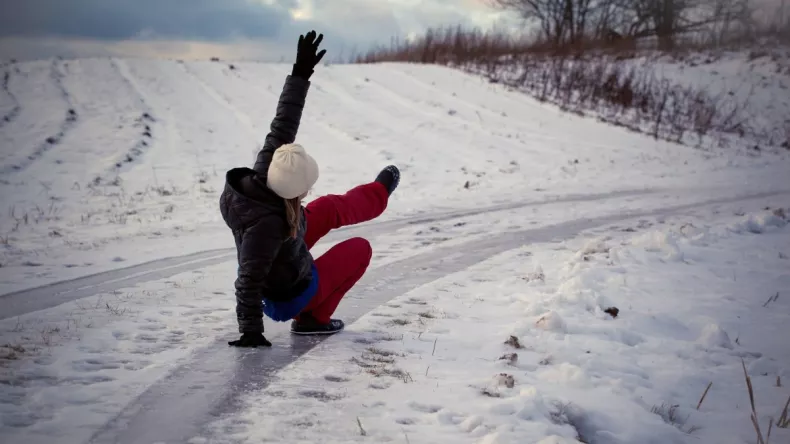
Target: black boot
point(307, 325)
point(389, 177)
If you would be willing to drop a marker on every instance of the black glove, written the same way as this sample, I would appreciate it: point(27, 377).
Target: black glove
point(251, 340)
point(306, 57)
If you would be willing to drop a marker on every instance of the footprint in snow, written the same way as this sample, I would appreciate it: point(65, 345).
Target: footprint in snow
point(137, 365)
point(383, 315)
point(365, 341)
point(415, 301)
point(153, 326)
point(96, 364)
point(424, 408)
point(151, 349)
point(320, 395)
point(85, 380)
point(81, 399)
point(144, 337)
point(336, 378)
point(44, 360)
point(174, 338)
point(95, 350)
point(198, 311)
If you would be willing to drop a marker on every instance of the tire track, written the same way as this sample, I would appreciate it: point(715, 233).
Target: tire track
point(245, 119)
point(69, 121)
point(17, 108)
point(39, 298)
point(348, 139)
point(145, 122)
point(223, 101)
point(213, 382)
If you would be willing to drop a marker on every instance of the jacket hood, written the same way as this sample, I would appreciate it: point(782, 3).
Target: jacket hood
point(244, 202)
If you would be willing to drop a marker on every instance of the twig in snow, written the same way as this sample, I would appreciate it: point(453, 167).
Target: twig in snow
point(705, 393)
point(756, 425)
point(784, 419)
point(434, 346)
point(772, 299)
point(361, 429)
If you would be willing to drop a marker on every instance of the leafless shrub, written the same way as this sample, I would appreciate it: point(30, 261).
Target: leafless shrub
point(115, 310)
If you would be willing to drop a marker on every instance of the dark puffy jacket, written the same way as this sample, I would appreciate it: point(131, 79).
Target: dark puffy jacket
point(271, 263)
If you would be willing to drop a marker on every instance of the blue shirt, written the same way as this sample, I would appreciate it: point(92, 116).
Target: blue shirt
point(282, 311)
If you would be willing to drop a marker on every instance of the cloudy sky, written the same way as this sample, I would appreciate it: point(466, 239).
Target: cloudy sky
point(249, 29)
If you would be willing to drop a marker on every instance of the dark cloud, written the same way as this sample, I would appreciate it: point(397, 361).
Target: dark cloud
point(257, 29)
point(204, 20)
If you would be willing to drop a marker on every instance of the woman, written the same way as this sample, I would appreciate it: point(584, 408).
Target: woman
point(274, 232)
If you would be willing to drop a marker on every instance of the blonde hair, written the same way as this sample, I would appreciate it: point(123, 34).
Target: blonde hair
point(293, 214)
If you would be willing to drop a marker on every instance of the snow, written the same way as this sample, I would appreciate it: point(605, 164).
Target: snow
point(434, 365)
point(175, 128)
point(758, 81)
point(134, 174)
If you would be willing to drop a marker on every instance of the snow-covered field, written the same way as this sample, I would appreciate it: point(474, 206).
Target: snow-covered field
point(520, 348)
point(108, 163)
point(174, 128)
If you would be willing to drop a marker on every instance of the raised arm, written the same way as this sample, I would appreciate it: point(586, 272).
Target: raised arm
point(286, 121)
point(289, 108)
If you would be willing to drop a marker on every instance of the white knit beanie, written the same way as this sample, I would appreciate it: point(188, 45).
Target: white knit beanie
point(292, 171)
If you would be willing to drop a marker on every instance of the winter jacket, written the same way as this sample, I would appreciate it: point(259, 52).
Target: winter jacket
point(272, 265)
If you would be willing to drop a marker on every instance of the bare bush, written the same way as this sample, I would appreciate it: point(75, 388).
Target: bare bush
point(623, 94)
point(601, 78)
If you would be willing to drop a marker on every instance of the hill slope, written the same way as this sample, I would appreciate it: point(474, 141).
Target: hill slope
point(107, 155)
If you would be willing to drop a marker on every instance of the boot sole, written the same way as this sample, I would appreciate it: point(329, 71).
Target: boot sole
point(315, 333)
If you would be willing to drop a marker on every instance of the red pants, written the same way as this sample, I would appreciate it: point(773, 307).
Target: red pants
point(345, 263)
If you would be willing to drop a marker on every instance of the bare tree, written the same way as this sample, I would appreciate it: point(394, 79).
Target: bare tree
point(571, 21)
point(563, 21)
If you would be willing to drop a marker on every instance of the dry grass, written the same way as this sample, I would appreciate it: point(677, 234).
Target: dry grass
point(784, 419)
point(400, 322)
point(704, 394)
